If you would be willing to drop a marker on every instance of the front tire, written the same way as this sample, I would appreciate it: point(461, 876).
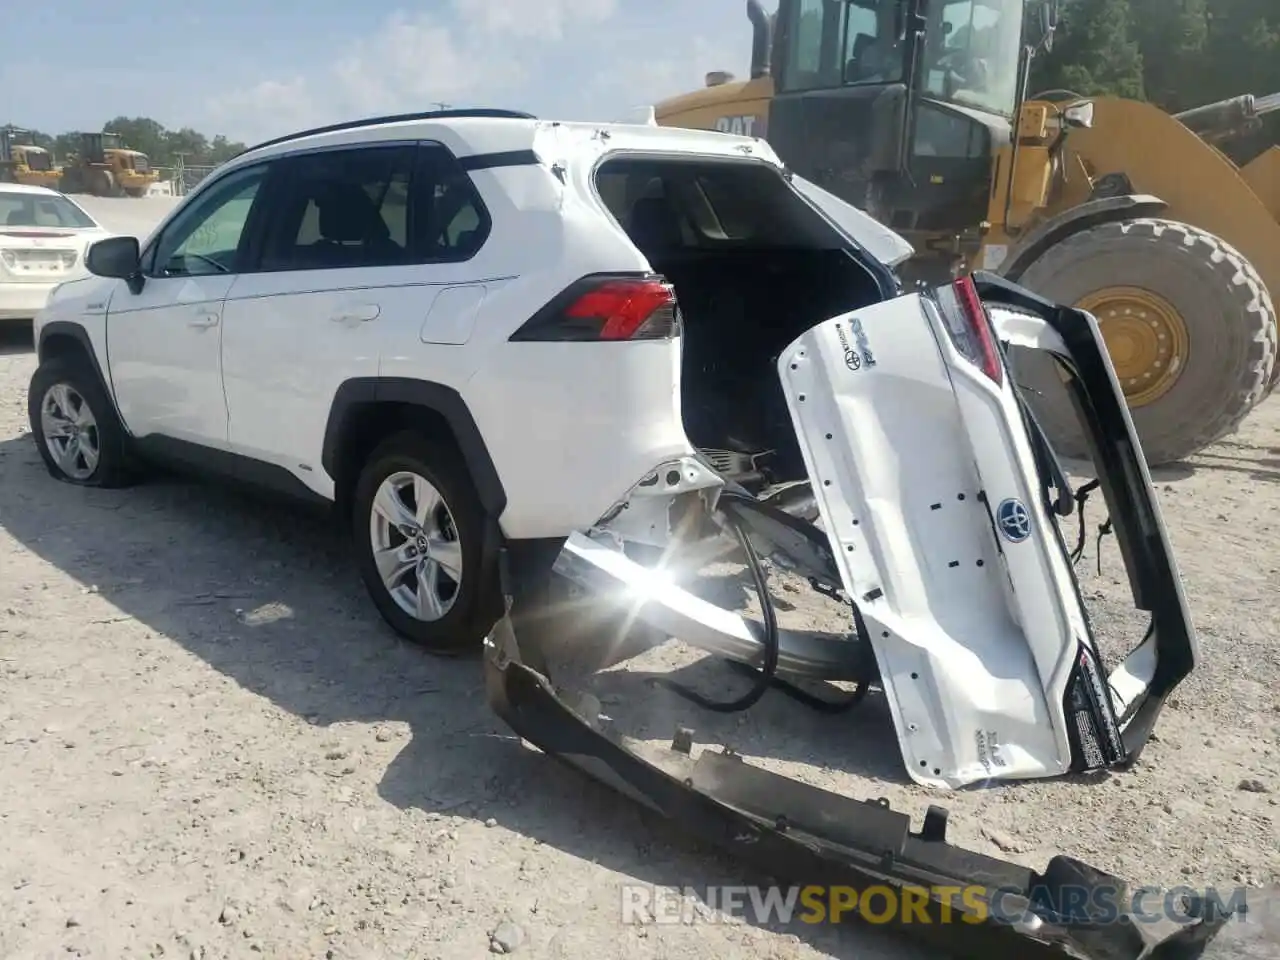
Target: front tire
point(420, 537)
point(75, 426)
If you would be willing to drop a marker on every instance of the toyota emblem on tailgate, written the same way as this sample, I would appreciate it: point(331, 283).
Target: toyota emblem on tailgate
point(1013, 520)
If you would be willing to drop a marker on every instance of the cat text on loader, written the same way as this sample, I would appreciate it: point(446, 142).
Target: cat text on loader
point(907, 109)
point(21, 161)
point(104, 167)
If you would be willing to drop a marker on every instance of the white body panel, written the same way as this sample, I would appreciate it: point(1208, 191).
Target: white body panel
point(164, 346)
point(906, 453)
point(289, 341)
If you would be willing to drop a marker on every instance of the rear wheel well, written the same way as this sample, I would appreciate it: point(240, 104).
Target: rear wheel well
point(366, 425)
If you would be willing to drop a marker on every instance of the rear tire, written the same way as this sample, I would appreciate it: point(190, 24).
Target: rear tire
point(428, 572)
point(1227, 314)
point(75, 427)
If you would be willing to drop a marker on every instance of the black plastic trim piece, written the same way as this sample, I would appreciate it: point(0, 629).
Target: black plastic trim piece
point(205, 462)
point(445, 401)
point(507, 158)
point(799, 834)
point(479, 112)
point(65, 328)
point(1087, 215)
point(1126, 484)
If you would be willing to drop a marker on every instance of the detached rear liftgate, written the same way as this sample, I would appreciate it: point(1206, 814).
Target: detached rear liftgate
point(968, 904)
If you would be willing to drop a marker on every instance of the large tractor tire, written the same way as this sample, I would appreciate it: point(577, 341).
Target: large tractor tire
point(1188, 323)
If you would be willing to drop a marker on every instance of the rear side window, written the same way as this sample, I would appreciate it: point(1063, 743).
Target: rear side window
point(341, 208)
point(375, 206)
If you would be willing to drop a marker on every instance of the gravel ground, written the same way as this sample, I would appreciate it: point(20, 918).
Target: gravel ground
point(213, 748)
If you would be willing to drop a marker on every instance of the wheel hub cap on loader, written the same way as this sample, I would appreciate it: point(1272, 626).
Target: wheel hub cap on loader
point(1146, 338)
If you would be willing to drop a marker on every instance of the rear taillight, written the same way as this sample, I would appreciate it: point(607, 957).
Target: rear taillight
point(969, 327)
point(607, 307)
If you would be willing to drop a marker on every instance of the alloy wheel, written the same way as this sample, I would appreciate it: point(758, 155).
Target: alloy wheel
point(70, 431)
point(416, 546)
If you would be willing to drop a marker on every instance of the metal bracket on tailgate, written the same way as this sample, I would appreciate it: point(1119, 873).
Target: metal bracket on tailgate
point(967, 903)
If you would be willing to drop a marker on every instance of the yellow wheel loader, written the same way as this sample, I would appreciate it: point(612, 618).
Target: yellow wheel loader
point(918, 111)
point(104, 167)
point(24, 162)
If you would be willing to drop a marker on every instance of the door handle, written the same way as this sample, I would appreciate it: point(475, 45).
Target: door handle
point(361, 313)
point(205, 318)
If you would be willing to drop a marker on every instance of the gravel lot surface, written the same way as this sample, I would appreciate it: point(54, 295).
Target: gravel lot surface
point(213, 748)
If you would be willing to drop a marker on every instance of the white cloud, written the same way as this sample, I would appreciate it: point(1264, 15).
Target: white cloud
point(554, 55)
point(532, 19)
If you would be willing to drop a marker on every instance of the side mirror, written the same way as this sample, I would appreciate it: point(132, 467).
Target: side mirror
point(1079, 115)
point(116, 257)
point(1049, 14)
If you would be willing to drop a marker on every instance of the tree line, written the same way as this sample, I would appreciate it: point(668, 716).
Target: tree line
point(163, 146)
point(1177, 54)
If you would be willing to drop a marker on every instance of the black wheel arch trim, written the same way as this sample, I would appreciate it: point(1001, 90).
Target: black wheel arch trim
point(436, 397)
point(1087, 215)
point(68, 328)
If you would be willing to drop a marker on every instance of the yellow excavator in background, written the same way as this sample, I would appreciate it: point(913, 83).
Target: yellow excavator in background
point(918, 112)
point(104, 167)
point(21, 161)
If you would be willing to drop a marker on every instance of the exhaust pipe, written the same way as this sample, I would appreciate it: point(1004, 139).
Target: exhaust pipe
point(761, 40)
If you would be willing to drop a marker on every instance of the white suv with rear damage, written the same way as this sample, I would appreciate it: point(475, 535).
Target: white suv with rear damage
point(506, 348)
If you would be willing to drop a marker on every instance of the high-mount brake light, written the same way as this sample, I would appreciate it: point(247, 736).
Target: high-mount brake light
point(969, 328)
point(607, 308)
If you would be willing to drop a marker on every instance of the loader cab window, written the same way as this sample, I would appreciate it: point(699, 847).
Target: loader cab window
point(830, 43)
point(872, 50)
point(971, 53)
point(805, 28)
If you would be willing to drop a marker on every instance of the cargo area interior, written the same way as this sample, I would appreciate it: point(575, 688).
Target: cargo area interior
point(753, 266)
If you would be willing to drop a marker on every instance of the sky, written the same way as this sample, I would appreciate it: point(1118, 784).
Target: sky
point(252, 69)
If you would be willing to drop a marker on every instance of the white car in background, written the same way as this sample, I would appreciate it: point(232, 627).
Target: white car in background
point(43, 238)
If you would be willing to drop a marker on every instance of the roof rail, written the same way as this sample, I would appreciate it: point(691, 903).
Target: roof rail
point(485, 112)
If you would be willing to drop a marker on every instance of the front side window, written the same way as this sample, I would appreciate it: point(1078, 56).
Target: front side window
point(207, 236)
point(972, 54)
point(41, 210)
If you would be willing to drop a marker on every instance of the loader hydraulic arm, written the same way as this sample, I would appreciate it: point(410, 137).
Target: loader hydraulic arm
point(1230, 118)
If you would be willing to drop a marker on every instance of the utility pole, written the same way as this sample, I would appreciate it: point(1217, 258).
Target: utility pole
point(439, 105)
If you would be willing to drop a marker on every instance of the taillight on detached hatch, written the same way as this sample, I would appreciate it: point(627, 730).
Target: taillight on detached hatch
point(969, 328)
point(607, 307)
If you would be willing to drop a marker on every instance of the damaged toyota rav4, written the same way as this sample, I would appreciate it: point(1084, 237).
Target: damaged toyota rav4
point(543, 369)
